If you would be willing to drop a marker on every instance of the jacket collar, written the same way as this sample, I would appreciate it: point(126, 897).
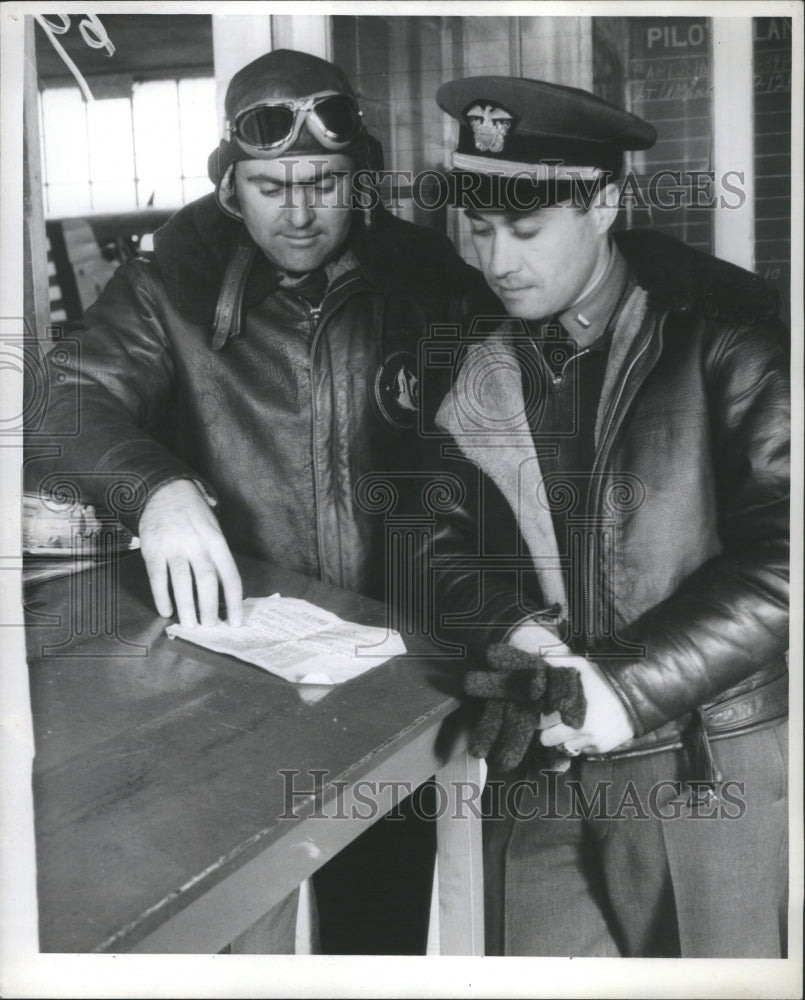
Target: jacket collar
point(197, 249)
point(205, 257)
point(681, 279)
point(493, 431)
point(587, 320)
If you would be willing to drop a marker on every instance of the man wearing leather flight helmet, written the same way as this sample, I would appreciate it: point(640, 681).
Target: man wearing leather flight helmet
point(242, 379)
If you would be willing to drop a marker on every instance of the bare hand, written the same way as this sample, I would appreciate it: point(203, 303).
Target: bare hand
point(180, 537)
point(606, 724)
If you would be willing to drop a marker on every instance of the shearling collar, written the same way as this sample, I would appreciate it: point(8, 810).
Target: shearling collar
point(492, 430)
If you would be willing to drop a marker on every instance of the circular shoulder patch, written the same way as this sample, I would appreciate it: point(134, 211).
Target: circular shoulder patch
point(397, 390)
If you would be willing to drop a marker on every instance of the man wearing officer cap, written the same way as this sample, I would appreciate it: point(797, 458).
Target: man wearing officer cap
point(619, 566)
point(243, 378)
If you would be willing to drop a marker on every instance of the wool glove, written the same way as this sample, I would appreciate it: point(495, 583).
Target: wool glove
point(518, 689)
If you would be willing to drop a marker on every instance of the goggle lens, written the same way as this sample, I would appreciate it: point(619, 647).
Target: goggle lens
point(265, 127)
point(339, 116)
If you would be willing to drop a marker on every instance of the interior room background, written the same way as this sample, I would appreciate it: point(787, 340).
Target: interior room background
point(142, 144)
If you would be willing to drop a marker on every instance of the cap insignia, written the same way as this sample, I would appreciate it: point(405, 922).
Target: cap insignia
point(490, 125)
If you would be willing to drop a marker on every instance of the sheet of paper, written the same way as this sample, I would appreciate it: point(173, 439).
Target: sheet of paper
point(298, 641)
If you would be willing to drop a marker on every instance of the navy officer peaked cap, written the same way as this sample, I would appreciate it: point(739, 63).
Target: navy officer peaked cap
point(514, 124)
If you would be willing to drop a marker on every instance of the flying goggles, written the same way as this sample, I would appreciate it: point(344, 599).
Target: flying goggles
point(332, 118)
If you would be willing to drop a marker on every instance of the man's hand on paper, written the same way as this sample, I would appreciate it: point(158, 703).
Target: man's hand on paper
point(180, 540)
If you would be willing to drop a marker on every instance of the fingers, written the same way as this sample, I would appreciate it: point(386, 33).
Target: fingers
point(566, 694)
point(157, 570)
point(230, 583)
point(519, 727)
point(487, 730)
point(560, 733)
point(207, 575)
point(206, 580)
point(566, 743)
point(182, 543)
point(182, 584)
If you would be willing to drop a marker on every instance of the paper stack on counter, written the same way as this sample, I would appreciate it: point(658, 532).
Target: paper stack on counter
point(298, 641)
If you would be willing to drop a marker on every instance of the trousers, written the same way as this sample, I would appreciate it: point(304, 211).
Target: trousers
point(618, 858)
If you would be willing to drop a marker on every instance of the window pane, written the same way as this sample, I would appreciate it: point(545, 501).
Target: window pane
point(111, 152)
point(197, 116)
point(668, 82)
point(160, 192)
point(486, 46)
point(114, 196)
point(196, 187)
point(116, 154)
point(397, 64)
point(156, 129)
point(63, 200)
point(65, 135)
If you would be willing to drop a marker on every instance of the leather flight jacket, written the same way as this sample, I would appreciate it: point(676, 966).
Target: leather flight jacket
point(196, 363)
point(684, 600)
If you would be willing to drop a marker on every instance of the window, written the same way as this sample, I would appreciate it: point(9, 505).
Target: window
point(397, 64)
point(660, 68)
point(123, 153)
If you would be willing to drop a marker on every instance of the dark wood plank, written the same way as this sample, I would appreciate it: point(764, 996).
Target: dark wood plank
point(158, 763)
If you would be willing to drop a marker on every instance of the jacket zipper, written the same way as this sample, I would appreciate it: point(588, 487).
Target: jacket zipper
point(557, 380)
point(318, 320)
